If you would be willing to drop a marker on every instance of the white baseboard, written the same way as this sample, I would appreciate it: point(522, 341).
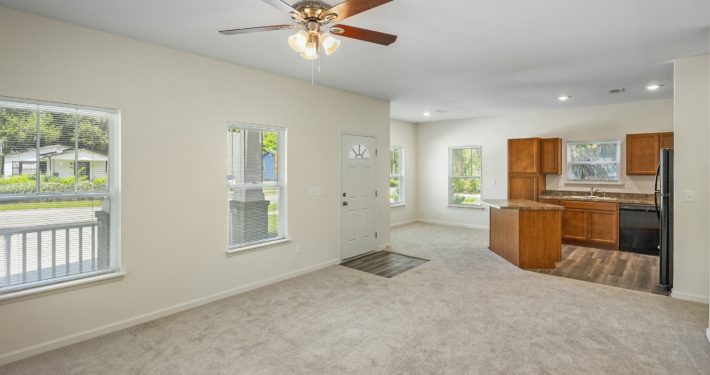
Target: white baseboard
point(112, 327)
point(690, 297)
point(452, 224)
point(395, 225)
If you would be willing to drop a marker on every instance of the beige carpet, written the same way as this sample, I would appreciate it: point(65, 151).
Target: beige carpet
point(464, 312)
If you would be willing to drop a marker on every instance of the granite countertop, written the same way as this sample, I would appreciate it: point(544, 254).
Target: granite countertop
point(520, 204)
point(627, 198)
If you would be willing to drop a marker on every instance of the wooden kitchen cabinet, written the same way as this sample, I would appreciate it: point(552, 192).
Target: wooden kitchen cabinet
point(528, 161)
point(525, 186)
point(591, 223)
point(524, 155)
point(574, 224)
point(603, 227)
point(667, 140)
point(643, 152)
point(552, 156)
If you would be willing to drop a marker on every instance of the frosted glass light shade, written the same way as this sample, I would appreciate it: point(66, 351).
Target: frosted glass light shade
point(298, 41)
point(330, 44)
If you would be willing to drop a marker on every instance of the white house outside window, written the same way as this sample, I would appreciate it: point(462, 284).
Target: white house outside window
point(396, 176)
point(465, 176)
point(593, 161)
point(256, 185)
point(58, 194)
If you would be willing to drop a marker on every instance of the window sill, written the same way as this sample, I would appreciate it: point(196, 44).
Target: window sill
point(58, 286)
point(392, 205)
point(606, 183)
point(477, 206)
point(237, 250)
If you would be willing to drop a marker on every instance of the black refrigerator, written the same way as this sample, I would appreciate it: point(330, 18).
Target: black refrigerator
point(664, 208)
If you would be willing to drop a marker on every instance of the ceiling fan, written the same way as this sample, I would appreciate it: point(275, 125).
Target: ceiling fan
point(315, 18)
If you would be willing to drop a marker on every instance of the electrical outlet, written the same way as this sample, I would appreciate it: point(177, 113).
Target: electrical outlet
point(298, 248)
point(493, 181)
point(317, 191)
point(629, 185)
point(689, 196)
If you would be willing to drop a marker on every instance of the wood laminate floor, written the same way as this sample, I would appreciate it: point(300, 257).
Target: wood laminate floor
point(384, 263)
point(616, 268)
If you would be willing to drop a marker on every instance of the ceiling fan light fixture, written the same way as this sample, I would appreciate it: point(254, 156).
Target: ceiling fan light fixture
point(330, 44)
point(298, 41)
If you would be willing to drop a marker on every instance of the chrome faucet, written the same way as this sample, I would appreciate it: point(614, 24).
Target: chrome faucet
point(593, 192)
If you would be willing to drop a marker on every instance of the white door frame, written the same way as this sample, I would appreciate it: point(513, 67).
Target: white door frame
point(340, 176)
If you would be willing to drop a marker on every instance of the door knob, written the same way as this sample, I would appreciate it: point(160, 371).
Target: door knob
point(345, 203)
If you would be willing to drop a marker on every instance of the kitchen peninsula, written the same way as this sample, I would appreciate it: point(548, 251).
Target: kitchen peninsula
point(526, 233)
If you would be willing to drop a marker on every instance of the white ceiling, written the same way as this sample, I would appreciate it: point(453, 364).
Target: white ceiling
point(470, 58)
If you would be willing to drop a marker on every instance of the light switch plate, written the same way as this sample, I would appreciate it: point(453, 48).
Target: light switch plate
point(317, 191)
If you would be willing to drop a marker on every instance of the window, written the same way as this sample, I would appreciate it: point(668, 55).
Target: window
point(396, 176)
point(256, 179)
point(465, 176)
point(593, 161)
point(56, 222)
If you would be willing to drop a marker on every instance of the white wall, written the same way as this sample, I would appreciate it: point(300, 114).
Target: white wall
point(691, 242)
point(174, 233)
point(404, 134)
point(610, 122)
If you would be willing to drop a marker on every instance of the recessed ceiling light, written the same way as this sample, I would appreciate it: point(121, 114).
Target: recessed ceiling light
point(654, 86)
point(564, 98)
point(427, 114)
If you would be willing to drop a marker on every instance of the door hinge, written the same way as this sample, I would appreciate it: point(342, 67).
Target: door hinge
point(375, 152)
point(375, 193)
point(375, 234)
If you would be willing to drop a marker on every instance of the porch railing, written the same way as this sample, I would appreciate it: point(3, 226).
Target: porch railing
point(39, 254)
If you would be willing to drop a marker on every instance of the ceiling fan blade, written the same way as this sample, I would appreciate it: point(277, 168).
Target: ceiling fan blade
point(256, 29)
point(363, 34)
point(349, 8)
point(281, 5)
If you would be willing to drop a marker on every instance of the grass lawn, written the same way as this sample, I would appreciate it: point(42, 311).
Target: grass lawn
point(58, 204)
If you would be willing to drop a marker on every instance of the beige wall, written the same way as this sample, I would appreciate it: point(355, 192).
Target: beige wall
point(609, 122)
point(174, 106)
point(404, 134)
point(691, 166)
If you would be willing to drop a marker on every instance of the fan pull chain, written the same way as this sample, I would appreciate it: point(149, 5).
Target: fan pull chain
point(312, 74)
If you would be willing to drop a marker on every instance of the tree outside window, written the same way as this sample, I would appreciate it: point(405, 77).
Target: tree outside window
point(396, 176)
point(465, 176)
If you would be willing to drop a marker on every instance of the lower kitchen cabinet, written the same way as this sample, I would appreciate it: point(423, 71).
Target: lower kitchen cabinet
point(604, 227)
point(574, 224)
point(590, 223)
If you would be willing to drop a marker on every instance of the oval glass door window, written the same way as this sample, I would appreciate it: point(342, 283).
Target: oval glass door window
point(359, 151)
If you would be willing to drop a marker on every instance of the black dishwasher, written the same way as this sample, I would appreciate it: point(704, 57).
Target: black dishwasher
point(639, 229)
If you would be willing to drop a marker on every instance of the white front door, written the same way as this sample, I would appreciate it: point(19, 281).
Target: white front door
point(358, 195)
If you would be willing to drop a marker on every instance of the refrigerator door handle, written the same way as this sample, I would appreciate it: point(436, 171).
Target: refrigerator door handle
point(657, 191)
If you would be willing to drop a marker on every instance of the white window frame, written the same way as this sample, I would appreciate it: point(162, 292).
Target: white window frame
point(281, 184)
point(569, 157)
point(113, 195)
point(402, 196)
point(451, 177)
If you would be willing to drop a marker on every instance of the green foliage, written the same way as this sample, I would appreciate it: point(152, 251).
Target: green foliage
point(395, 164)
point(466, 162)
point(269, 142)
point(18, 130)
point(23, 184)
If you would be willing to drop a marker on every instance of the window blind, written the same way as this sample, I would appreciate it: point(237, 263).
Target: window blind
point(255, 180)
point(55, 194)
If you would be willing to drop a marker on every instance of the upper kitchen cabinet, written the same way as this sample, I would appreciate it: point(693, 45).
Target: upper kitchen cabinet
point(666, 140)
point(524, 155)
point(529, 159)
point(643, 152)
point(551, 156)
